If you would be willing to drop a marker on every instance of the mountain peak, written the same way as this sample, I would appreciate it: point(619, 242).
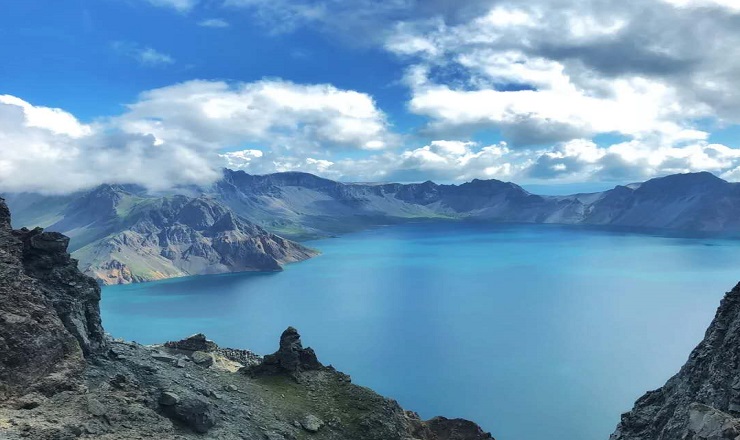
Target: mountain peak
point(683, 182)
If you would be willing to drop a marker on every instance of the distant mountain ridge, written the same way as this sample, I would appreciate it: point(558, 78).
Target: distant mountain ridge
point(298, 204)
point(122, 234)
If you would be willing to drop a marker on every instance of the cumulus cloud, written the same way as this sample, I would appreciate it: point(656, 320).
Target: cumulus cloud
point(281, 114)
point(184, 134)
point(49, 150)
point(146, 56)
point(575, 161)
point(240, 159)
point(546, 72)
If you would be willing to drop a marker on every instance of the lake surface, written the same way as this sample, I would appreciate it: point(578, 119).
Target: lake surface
point(532, 331)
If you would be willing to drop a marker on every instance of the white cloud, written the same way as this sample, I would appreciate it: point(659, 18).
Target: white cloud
point(579, 160)
point(240, 159)
point(733, 5)
point(214, 23)
point(182, 135)
point(282, 114)
point(49, 150)
point(545, 73)
point(54, 120)
point(179, 5)
point(558, 111)
point(146, 56)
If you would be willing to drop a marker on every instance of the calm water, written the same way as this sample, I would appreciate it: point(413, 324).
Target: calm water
point(533, 331)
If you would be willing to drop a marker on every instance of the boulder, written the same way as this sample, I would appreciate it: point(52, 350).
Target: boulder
point(202, 358)
point(311, 423)
point(197, 342)
point(168, 398)
point(194, 412)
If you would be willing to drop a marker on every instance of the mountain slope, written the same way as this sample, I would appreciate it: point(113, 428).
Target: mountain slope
point(300, 204)
point(690, 202)
point(177, 236)
point(702, 401)
point(122, 237)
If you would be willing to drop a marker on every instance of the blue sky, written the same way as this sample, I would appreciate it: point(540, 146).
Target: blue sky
point(579, 94)
point(63, 54)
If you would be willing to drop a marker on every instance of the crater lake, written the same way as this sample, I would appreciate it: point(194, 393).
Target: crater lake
point(533, 331)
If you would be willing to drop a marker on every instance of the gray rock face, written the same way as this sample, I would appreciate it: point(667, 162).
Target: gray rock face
point(49, 312)
point(456, 429)
point(74, 296)
point(703, 399)
point(121, 235)
point(168, 398)
point(177, 236)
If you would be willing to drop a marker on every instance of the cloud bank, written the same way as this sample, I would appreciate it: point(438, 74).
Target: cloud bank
point(574, 91)
point(178, 135)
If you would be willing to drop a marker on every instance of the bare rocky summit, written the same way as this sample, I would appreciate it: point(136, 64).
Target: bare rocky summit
point(62, 378)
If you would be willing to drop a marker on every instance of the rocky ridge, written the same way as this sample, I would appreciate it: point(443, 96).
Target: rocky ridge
point(702, 401)
point(300, 203)
point(121, 235)
point(62, 378)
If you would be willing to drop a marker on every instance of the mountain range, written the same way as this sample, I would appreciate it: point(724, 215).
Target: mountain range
point(62, 377)
point(122, 234)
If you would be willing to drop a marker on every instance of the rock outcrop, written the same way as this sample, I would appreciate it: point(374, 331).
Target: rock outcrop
point(291, 358)
point(49, 316)
point(702, 401)
point(61, 378)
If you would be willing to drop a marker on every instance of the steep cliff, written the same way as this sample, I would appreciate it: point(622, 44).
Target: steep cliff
point(62, 378)
point(49, 316)
point(702, 401)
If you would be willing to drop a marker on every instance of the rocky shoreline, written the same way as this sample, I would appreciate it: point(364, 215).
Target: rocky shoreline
point(62, 378)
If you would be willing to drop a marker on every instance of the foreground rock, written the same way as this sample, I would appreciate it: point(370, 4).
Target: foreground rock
point(291, 359)
point(49, 316)
point(61, 378)
point(702, 401)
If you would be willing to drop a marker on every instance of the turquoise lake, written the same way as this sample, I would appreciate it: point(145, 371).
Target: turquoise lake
point(535, 332)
